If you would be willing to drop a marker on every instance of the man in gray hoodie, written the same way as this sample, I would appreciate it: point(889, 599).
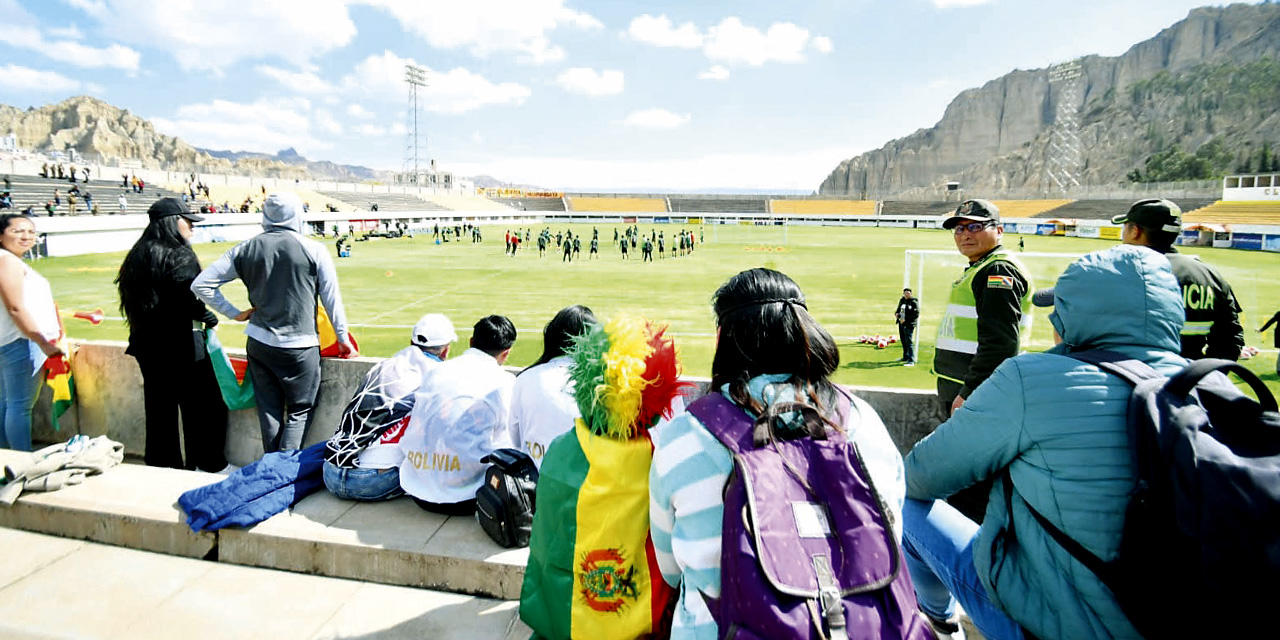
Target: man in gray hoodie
point(284, 272)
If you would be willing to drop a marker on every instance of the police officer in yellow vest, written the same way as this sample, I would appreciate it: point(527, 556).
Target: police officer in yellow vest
point(989, 309)
point(1213, 326)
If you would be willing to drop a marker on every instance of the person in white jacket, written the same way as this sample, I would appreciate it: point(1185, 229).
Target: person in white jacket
point(542, 403)
point(459, 416)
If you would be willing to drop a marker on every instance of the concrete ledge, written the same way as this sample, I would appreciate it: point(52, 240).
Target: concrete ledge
point(129, 506)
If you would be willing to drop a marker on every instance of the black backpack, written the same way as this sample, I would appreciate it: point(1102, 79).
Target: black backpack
point(504, 503)
point(1200, 549)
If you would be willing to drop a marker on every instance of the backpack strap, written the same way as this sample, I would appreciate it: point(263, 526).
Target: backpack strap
point(1181, 384)
point(735, 428)
point(1131, 369)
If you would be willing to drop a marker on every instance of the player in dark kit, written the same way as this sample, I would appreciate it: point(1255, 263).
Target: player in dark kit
point(595, 248)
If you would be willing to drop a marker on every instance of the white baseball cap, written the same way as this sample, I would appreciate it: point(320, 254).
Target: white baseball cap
point(433, 330)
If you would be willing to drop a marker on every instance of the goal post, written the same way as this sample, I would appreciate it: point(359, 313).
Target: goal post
point(930, 273)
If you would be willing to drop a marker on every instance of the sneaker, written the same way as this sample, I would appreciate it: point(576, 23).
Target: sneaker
point(909, 364)
point(228, 470)
point(946, 629)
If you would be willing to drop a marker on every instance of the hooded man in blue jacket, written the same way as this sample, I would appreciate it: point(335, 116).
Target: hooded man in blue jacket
point(1056, 428)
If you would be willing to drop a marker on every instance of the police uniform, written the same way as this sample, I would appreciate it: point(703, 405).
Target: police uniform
point(907, 315)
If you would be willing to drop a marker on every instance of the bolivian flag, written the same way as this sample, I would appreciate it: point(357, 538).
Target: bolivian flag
point(236, 387)
point(328, 336)
point(592, 571)
point(60, 381)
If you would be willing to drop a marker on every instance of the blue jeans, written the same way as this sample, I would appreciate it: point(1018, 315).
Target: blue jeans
point(366, 485)
point(18, 390)
point(938, 541)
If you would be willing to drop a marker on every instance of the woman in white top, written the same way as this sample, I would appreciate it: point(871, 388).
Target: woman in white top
point(29, 330)
point(542, 404)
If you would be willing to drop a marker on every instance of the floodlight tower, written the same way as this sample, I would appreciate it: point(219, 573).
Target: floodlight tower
point(416, 77)
point(1063, 156)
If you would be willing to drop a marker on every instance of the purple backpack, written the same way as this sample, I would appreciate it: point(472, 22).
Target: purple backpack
point(800, 559)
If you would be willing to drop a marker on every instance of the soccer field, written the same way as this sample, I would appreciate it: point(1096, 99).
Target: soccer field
point(852, 277)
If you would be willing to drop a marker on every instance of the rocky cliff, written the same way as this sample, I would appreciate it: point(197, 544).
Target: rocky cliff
point(994, 138)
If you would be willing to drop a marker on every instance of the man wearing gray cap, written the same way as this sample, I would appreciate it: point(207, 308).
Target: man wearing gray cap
point(1213, 315)
point(284, 272)
point(362, 459)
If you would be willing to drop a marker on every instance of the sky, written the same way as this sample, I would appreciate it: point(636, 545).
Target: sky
point(562, 94)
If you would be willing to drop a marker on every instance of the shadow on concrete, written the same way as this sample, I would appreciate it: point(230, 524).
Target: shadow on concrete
point(470, 620)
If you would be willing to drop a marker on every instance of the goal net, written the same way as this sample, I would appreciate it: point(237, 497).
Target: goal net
point(931, 272)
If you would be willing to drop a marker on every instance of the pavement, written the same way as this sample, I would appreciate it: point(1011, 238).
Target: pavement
point(53, 587)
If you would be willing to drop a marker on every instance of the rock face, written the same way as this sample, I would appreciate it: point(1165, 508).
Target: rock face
point(994, 138)
point(96, 129)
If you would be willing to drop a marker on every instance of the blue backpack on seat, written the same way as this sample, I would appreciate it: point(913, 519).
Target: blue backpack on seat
point(1200, 549)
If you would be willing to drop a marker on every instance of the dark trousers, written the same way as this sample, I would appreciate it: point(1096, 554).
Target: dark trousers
point(907, 336)
point(285, 384)
point(464, 508)
point(971, 501)
point(169, 386)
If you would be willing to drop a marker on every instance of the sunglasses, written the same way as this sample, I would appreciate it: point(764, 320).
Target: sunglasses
point(972, 227)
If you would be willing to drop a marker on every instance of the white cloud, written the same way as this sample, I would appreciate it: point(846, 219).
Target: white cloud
point(300, 82)
point(954, 4)
point(72, 52)
point(484, 27)
point(590, 82)
point(371, 130)
point(228, 30)
point(656, 119)
point(659, 31)
point(327, 123)
point(15, 78)
point(731, 41)
point(716, 72)
point(69, 32)
point(359, 112)
point(456, 91)
point(266, 125)
point(764, 171)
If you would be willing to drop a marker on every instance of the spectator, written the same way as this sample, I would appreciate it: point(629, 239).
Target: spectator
point(459, 416)
point(770, 353)
point(29, 331)
point(542, 403)
point(283, 271)
point(1055, 428)
point(1213, 326)
point(123, 203)
point(362, 459)
point(154, 283)
point(907, 315)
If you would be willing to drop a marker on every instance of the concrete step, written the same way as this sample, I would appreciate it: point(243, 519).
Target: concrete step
point(58, 588)
point(393, 542)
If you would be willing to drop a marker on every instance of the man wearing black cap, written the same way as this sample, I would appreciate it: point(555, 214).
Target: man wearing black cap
point(1213, 326)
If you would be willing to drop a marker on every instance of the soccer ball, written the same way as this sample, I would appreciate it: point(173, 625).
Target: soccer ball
point(882, 343)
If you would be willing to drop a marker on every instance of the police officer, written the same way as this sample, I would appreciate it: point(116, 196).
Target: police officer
point(1213, 326)
point(1275, 319)
point(987, 315)
point(907, 314)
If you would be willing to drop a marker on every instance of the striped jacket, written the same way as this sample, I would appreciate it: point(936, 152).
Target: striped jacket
point(686, 509)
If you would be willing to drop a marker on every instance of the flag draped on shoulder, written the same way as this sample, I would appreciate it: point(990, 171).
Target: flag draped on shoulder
point(592, 570)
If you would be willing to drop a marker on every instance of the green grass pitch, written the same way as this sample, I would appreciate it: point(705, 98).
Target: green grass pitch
point(852, 278)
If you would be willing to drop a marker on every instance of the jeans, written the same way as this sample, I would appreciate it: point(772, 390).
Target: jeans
point(366, 485)
point(19, 389)
point(938, 541)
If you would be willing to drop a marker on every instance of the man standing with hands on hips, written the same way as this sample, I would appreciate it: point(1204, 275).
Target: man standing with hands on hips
point(907, 315)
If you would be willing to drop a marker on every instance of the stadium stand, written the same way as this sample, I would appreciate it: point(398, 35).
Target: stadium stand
point(617, 205)
point(34, 191)
point(1028, 208)
point(235, 196)
point(718, 205)
point(1235, 212)
point(361, 201)
point(453, 202)
point(904, 208)
point(1105, 209)
point(532, 204)
point(824, 207)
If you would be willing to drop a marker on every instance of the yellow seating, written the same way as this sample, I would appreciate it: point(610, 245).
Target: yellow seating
point(1236, 212)
point(827, 207)
point(618, 205)
point(1027, 208)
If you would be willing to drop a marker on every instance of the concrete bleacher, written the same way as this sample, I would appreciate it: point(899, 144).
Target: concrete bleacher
point(718, 205)
point(1106, 209)
point(617, 205)
point(532, 204)
point(1227, 212)
point(824, 207)
point(385, 201)
point(909, 208)
point(35, 191)
point(235, 195)
point(462, 202)
point(1028, 208)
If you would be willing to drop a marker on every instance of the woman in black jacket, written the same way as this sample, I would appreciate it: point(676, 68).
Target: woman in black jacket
point(166, 336)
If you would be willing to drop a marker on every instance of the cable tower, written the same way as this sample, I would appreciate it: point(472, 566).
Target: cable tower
point(1063, 157)
point(416, 77)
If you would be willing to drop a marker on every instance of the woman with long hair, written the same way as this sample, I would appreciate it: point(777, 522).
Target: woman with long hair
point(542, 404)
point(29, 331)
point(166, 336)
point(773, 361)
